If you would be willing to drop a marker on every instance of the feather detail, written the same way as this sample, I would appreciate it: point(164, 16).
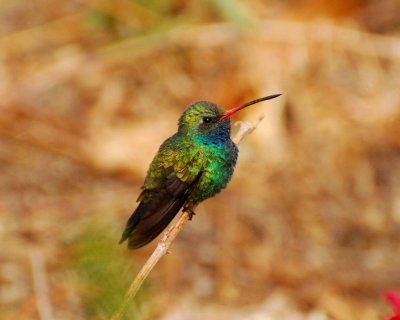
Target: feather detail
point(152, 216)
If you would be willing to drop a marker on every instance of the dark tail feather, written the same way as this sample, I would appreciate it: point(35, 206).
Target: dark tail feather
point(156, 210)
point(132, 222)
point(150, 219)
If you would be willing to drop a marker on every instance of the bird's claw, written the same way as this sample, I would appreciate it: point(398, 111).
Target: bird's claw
point(190, 212)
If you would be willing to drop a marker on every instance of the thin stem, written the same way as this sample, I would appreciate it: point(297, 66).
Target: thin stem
point(41, 286)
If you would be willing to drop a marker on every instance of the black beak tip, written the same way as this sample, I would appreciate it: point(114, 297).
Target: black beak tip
point(275, 96)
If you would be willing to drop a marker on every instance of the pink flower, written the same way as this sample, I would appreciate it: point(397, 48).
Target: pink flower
point(394, 300)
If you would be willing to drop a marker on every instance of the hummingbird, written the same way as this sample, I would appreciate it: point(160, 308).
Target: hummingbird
point(191, 166)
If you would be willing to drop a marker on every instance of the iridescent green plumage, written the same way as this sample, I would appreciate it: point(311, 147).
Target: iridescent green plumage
point(194, 164)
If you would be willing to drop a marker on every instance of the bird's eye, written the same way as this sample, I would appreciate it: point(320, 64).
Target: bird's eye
point(207, 119)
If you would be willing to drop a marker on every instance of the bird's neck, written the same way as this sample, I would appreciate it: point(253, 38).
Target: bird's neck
point(214, 138)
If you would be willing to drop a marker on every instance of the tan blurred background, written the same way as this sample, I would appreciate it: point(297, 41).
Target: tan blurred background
point(309, 227)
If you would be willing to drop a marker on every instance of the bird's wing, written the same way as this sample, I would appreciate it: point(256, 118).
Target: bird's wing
point(172, 176)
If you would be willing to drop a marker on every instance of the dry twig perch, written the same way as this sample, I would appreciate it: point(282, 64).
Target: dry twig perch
point(171, 233)
point(40, 285)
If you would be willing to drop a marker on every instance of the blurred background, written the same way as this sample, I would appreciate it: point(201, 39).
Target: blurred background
point(309, 227)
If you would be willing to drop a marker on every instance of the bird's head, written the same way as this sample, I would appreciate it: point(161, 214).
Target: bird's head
point(203, 118)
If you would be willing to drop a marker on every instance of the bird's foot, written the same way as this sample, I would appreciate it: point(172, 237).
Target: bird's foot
point(189, 211)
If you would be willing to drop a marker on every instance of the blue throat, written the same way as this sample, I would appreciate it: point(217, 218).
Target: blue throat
point(218, 136)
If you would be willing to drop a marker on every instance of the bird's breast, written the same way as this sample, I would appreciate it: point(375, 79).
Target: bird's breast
point(218, 165)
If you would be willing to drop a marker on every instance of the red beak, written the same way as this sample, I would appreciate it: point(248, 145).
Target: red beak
point(232, 111)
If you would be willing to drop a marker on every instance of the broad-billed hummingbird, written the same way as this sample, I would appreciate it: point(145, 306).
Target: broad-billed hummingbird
point(194, 164)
